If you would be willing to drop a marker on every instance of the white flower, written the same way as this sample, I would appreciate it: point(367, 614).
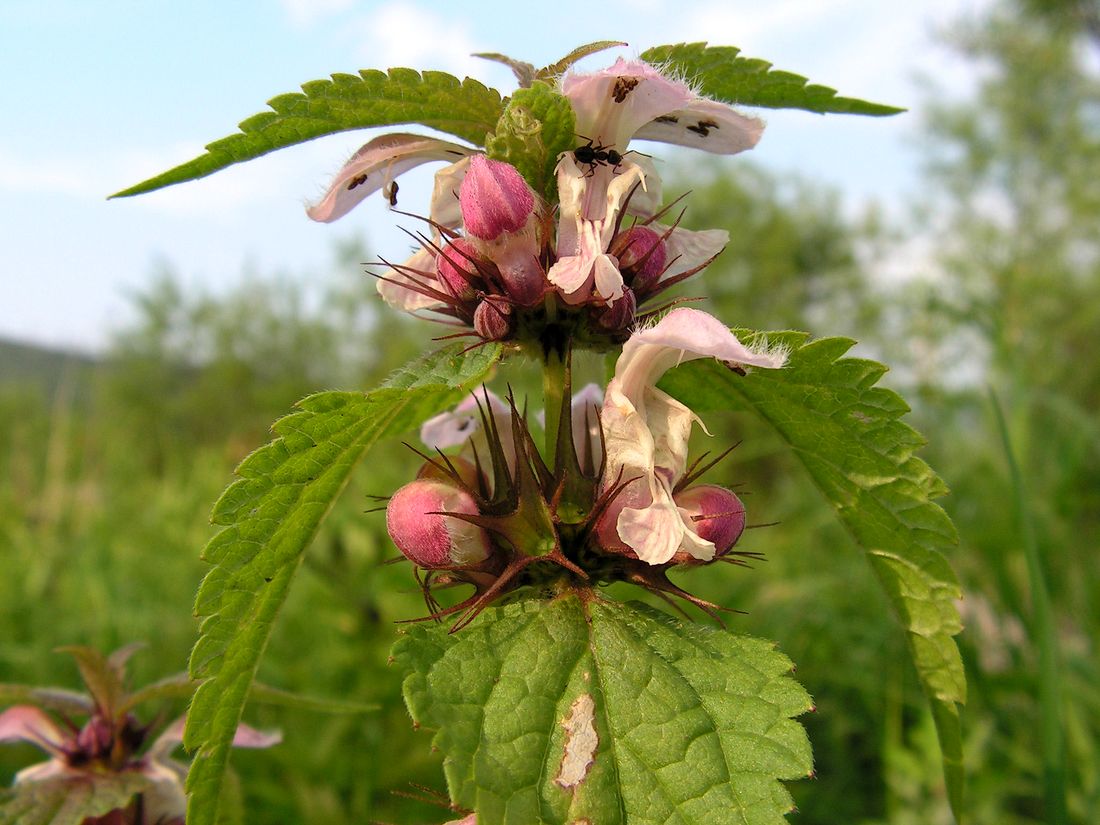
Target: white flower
point(631, 99)
point(646, 432)
point(378, 163)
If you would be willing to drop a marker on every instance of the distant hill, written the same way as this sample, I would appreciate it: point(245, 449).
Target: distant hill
point(40, 368)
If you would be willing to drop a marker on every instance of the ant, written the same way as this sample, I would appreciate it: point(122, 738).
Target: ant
point(596, 155)
point(389, 192)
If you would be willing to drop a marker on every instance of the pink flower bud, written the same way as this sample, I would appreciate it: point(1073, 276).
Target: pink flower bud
point(456, 270)
point(523, 276)
point(429, 539)
point(641, 254)
point(620, 315)
point(494, 199)
point(493, 320)
point(717, 514)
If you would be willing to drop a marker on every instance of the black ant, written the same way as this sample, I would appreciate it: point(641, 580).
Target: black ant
point(389, 192)
point(597, 155)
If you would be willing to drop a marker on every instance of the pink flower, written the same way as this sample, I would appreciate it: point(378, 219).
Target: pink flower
point(103, 752)
point(646, 434)
point(375, 167)
point(463, 426)
point(499, 216)
point(631, 99)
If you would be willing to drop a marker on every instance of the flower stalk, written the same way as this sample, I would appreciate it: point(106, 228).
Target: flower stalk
point(553, 388)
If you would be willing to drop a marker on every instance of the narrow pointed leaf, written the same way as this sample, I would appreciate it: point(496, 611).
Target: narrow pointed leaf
point(536, 127)
point(48, 698)
point(371, 98)
point(555, 70)
point(176, 686)
point(849, 435)
point(267, 695)
point(270, 515)
point(182, 686)
point(101, 676)
point(721, 73)
point(570, 711)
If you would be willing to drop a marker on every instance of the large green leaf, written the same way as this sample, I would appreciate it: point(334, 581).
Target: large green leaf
point(849, 435)
point(371, 98)
point(581, 710)
point(538, 125)
point(270, 515)
point(71, 798)
point(721, 73)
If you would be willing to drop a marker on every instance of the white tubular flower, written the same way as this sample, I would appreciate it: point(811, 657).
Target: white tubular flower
point(375, 166)
point(462, 426)
point(631, 99)
point(646, 433)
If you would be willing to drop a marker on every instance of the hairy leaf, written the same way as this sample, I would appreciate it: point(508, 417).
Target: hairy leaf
point(580, 710)
point(849, 435)
point(536, 127)
point(558, 68)
point(69, 800)
point(270, 515)
point(371, 98)
point(720, 72)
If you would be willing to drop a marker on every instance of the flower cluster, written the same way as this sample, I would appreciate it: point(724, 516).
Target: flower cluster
point(502, 262)
point(620, 502)
point(613, 498)
point(110, 752)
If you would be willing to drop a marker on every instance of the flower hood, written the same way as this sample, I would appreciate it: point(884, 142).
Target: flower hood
point(646, 431)
point(631, 99)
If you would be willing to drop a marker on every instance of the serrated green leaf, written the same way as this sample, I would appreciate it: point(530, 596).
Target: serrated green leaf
point(270, 515)
point(571, 711)
point(720, 72)
point(70, 799)
point(849, 435)
point(536, 127)
point(371, 98)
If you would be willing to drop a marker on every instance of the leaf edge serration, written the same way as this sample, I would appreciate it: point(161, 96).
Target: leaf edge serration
point(340, 103)
point(241, 595)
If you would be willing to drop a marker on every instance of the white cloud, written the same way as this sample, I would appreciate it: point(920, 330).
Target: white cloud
point(304, 13)
point(44, 175)
point(403, 34)
point(277, 178)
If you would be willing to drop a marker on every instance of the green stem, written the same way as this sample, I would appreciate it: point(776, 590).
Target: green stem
point(1045, 639)
point(553, 385)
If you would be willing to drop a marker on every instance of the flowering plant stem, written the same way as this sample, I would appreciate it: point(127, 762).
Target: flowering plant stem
point(554, 366)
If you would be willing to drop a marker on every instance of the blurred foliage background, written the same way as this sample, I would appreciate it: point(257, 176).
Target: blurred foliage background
point(109, 467)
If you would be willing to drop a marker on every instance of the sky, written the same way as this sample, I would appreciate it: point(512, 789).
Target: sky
point(99, 96)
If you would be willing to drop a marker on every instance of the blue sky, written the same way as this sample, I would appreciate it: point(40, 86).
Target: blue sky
point(101, 95)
